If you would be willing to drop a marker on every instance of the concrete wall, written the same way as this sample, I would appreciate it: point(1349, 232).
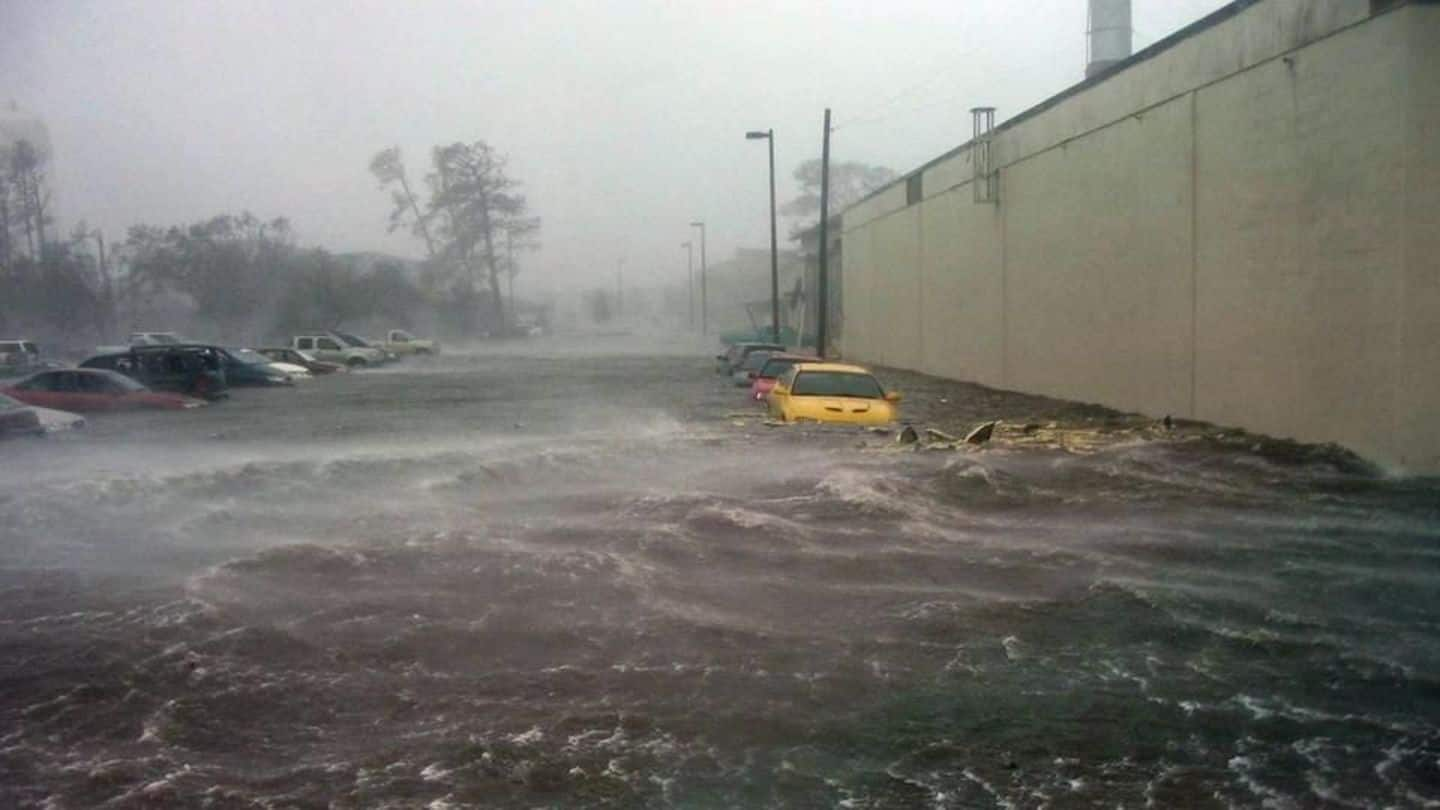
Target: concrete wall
point(1239, 226)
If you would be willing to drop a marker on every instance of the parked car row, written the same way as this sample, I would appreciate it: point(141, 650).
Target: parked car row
point(160, 370)
point(797, 387)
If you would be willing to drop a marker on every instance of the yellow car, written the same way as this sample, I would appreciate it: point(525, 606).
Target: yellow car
point(832, 392)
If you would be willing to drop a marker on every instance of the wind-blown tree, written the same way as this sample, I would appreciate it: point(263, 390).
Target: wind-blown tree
point(59, 295)
point(849, 182)
point(7, 212)
point(522, 237)
point(389, 168)
point(27, 196)
point(228, 265)
point(474, 205)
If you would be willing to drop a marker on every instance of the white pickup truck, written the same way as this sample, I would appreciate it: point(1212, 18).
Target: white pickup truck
point(403, 344)
point(334, 350)
point(19, 357)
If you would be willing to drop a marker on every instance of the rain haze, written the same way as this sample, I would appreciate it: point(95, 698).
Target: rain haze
point(407, 405)
point(624, 121)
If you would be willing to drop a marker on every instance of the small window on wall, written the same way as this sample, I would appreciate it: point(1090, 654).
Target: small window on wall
point(914, 190)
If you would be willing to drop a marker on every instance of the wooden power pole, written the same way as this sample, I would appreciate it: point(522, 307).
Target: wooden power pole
point(822, 321)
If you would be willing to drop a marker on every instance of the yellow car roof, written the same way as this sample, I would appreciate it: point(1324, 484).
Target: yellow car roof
point(845, 367)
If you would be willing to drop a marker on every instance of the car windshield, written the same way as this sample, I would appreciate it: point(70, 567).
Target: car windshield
point(836, 384)
point(351, 339)
point(162, 337)
point(755, 361)
point(108, 381)
point(250, 357)
point(776, 366)
point(762, 347)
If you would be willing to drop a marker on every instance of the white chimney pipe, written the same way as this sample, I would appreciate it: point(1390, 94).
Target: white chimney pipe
point(1108, 38)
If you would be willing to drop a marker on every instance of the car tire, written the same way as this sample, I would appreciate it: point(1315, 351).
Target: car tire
point(356, 362)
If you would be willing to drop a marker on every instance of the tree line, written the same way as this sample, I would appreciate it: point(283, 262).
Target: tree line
point(240, 278)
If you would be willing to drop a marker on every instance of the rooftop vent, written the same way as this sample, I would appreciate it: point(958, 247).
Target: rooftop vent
point(1107, 35)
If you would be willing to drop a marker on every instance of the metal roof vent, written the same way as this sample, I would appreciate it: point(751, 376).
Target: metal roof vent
point(982, 158)
point(1107, 35)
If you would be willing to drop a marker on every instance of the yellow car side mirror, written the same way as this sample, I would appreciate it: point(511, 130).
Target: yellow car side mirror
point(892, 396)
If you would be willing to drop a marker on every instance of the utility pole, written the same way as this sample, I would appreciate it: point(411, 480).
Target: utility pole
point(107, 321)
point(822, 322)
point(690, 270)
point(510, 271)
point(704, 310)
point(620, 288)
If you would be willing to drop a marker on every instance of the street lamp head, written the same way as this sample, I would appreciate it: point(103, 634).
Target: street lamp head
point(756, 135)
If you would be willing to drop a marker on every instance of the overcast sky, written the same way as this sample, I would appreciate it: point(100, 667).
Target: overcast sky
point(624, 120)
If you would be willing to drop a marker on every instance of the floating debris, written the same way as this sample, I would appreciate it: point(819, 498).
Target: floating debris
point(939, 436)
point(981, 434)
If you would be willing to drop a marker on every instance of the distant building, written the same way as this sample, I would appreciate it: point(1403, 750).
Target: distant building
point(738, 292)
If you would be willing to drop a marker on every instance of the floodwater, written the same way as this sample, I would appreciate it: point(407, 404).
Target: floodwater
point(555, 580)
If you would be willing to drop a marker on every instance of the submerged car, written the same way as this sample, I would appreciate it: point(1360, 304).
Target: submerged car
point(731, 359)
point(91, 389)
point(293, 370)
point(832, 392)
point(285, 354)
point(748, 369)
point(357, 342)
point(403, 344)
point(329, 347)
point(18, 419)
point(774, 368)
point(245, 367)
point(187, 368)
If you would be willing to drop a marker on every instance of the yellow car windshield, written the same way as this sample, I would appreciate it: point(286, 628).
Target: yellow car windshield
point(836, 384)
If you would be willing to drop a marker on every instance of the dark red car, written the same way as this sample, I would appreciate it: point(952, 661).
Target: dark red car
point(87, 389)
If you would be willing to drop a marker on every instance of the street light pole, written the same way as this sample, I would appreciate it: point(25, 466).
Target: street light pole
point(704, 310)
point(690, 270)
point(769, 137)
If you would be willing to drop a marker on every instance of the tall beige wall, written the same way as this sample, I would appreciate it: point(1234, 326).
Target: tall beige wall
point(1241, 229)
point(1417, 388)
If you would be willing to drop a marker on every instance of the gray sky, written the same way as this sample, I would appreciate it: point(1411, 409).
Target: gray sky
point(624, 119)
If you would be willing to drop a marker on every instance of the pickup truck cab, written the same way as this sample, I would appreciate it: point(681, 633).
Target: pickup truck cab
point(331, 348)
point(403, 344)
point(19, 357)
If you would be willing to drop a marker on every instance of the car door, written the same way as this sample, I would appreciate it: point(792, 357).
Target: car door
point(98, 392)
point(35, 390)
point(779, 395)
point(63, 392)
point(329, 349)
